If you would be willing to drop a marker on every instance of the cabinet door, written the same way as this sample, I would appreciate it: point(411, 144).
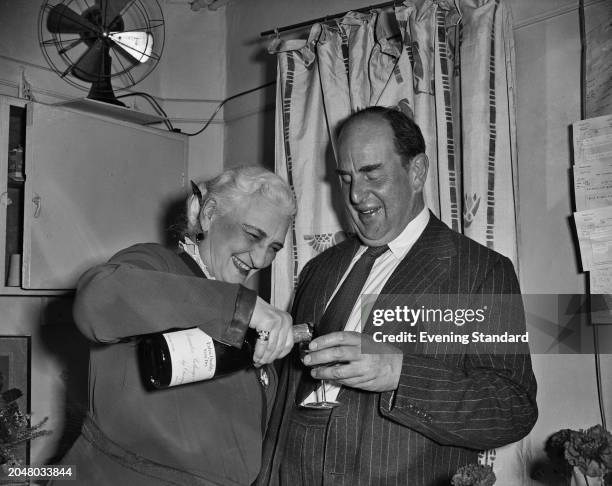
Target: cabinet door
point(94, 185)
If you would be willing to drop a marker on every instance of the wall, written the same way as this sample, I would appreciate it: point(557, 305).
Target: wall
point(210, 55)
point(548, 68)
point(192, 81)
point(249, 134)
point(189, 82)
point(548, 99)
point(59, 357)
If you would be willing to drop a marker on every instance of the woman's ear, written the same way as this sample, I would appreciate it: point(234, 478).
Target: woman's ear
point(193, 211)
point(196, 192)
point(207, 214)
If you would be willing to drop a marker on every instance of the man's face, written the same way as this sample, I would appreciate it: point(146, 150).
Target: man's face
point(243, 240)
point(382, 194)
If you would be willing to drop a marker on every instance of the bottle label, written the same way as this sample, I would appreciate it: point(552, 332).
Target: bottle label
point(192, 354)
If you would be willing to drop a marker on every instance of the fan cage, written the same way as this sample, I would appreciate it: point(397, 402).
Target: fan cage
point(62, 51)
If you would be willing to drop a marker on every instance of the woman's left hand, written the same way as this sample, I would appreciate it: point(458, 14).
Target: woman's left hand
point(277, 327)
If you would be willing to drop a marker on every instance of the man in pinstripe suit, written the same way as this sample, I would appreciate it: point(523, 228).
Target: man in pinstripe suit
point(409, 413)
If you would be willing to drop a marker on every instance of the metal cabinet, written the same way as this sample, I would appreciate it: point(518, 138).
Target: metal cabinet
point(88, 185)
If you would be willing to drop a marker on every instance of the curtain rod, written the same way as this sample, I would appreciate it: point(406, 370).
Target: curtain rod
point(324, 19)
point(518, 25)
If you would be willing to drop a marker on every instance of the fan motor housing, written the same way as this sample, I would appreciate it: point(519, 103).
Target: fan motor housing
point(94, 15)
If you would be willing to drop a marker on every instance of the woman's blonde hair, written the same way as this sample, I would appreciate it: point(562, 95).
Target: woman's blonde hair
point(230, 187)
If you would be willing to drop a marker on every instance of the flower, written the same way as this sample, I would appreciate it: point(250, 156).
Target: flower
point(589, 450)
point(15, 428)
point(474, 475)
point(555, 450)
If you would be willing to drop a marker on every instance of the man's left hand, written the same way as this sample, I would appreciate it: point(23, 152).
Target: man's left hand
point(356, 361)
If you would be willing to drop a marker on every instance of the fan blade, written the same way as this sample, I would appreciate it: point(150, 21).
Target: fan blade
point(111, 9)
point(90, 66)
point(64, 20)
point(136, 43)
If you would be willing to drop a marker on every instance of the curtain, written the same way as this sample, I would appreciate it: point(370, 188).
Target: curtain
point(449, 64)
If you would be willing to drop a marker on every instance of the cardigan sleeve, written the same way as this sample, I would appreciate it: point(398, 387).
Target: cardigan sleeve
point(145, 289)
point(488, 400)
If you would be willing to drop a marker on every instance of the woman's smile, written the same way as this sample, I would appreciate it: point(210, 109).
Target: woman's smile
point(243, 267)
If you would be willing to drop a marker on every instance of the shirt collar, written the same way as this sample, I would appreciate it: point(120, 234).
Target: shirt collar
point(401, 245)
point(189, 247)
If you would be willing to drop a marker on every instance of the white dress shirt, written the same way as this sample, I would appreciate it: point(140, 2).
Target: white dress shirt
point(383, 268)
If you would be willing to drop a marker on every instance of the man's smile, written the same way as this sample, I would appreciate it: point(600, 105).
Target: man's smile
point(365, 212)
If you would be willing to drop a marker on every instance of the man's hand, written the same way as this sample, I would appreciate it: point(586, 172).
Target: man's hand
point(279, 326)
point(360, 361)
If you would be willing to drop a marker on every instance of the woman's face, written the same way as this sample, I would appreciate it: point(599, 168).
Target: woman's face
point(243, 240)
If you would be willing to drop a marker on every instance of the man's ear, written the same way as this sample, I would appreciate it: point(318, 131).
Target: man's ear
point(419, 165)
point(206, 215)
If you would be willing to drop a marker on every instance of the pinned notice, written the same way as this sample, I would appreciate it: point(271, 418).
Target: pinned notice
point(593, 185)
point(594, 228)
point(592, 140)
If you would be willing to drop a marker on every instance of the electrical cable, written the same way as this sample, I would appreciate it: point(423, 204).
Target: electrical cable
point(156, 106)
point(160, 111)
point(237, 95)
point(598, 373)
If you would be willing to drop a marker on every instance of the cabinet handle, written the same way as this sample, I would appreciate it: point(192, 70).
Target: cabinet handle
point(4, 199)
point(37, 205)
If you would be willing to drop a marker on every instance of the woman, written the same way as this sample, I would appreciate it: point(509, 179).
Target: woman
point(208, 432)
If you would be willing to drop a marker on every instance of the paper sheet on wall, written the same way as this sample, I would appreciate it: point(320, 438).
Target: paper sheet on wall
point(593, 140)
point(601, 280)
point(594, 228)
point(592, 127)
point(593, 185)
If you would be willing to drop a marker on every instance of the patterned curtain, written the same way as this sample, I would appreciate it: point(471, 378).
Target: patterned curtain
point(450, 64)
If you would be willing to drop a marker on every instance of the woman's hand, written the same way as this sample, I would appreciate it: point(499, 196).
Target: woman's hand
point(279, 324)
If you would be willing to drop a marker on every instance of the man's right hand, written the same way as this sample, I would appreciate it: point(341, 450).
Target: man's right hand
point(279, 324)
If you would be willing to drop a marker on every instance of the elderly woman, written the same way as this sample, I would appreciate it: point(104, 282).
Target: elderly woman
point(207, 432)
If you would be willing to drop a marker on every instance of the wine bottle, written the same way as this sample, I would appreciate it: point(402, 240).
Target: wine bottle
point(180, 357)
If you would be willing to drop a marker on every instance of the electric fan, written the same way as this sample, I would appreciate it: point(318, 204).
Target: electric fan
point(102, 45)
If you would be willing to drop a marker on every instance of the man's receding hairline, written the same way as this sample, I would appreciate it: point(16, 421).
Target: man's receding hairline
point(363, 116)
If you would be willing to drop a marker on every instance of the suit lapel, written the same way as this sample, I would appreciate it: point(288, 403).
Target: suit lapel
point(319, 283)
point(422, 264)
point(421, 271)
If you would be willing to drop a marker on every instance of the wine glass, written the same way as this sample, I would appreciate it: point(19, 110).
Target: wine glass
point(321, 402)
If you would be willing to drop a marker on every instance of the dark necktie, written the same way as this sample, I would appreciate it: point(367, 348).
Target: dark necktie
point(339, 309)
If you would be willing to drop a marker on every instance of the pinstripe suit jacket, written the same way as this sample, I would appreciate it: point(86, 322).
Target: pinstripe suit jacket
point(448, 404)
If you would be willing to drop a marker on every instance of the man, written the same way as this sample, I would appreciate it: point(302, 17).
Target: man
point(409, 413)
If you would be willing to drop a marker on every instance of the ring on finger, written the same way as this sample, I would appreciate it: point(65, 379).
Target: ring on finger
point(264, 335)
